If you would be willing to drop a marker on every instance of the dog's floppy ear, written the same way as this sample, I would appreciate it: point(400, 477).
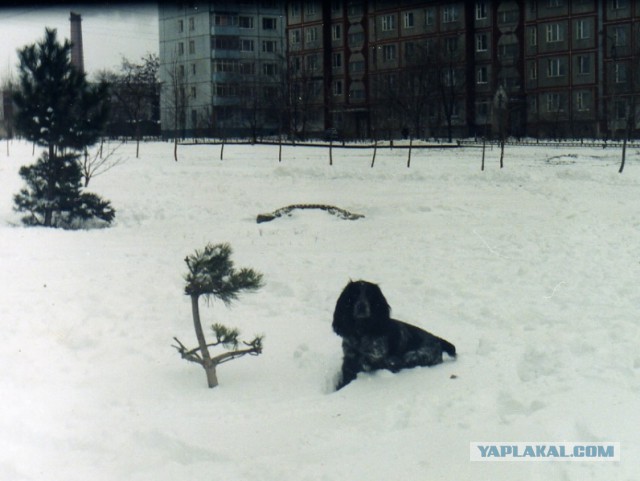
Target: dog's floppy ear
point(342, 315)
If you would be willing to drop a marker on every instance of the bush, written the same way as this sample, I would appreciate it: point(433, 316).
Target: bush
point(53, 196)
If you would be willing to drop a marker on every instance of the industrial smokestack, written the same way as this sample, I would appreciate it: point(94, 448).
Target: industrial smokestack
point(77, 54)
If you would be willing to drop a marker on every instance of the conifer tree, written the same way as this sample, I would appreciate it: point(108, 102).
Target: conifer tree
point(57, 109)
point(212, 275)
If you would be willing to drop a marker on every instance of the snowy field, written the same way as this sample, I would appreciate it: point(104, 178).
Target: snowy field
point(531, 271)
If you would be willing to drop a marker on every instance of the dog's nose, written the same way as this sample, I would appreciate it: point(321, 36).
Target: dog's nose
point(361, 310)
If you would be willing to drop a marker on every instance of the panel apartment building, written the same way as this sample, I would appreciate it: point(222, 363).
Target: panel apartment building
point(220, 63)
point(380, 68)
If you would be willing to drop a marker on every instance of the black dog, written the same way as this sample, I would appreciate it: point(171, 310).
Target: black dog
point(371, 340)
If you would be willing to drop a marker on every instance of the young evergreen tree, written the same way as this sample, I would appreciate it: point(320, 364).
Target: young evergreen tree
point(59, 110)
point(212, 274)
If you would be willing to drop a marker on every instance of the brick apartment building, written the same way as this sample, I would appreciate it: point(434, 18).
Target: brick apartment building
point(380, 68)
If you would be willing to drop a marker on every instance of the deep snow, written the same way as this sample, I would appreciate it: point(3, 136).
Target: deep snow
point(531, 271)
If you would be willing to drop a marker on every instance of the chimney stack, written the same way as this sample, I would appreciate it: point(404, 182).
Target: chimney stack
point(77, 55)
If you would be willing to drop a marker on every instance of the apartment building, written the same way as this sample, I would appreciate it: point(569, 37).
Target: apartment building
point(220, 66)
point(353, 61)
point(382, 68)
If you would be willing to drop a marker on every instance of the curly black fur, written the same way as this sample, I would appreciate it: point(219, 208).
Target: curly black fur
point(371, 340)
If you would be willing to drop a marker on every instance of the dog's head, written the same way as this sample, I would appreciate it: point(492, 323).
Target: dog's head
point(361, 309)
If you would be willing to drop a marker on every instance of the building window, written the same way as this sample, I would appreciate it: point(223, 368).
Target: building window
point(336, 60)
point(582, 101)
point(355, 67)
point(533, 71)
point(429, 16)
point(554, 102)
point(311, 8)
point(449, 78)
point(620, 109)
point(224, 20)
point(181, 71)
point(554, 33)
point(619, 37)
point(295, 37)
point(356, 39)
point(533, 36)
point(388, 52)
point(620, 70)
point(482, 75)
point(192, 24)
point(409, 50)
point(555, 68)
point(247, 68)
point(269, 69)
point(192, 47)
point(583, 29)
point(481, 10)
point(554, 3)
point(451, 44)
point(449, 14)
point(482, 109)
point(269, 46)
point(409, 20)
point(336, 6)
point(337, 87)
point(355, 9)
point(584, 65)
point(246, 22)
point(193, 69)
point(312, 63)
point(269, 23)
point(482, 42)
point(311, 34)
point(388, 23)
point(180, 48)
point(619, 4)
point(295, 9)
point(336, 32)
point(296, 64)
point(193, 92)
point(180, 26)
point(247, 45)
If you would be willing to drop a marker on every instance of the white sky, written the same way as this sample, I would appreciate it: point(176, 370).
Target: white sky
point(109, 32)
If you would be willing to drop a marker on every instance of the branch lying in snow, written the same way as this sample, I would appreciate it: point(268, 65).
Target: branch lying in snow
point(343, 214)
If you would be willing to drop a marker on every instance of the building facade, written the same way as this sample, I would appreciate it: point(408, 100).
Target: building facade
point(381, 68)
point(220, 67)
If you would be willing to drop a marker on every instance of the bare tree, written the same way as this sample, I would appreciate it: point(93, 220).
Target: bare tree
point(135, 89)
point(174, 91)
point(450, 78)
point(96, 163)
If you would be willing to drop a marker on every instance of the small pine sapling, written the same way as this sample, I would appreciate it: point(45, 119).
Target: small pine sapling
point(213, 275)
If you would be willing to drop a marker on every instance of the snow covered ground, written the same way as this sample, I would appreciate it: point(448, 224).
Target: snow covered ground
point(531, 271)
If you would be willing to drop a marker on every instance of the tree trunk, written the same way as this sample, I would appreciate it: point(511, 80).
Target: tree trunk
point(331, 152)
point(209, 366)
point(212, 377)
point(624, 154)
point(375, 150)
point(484, 146)
point(175, 149)
point(409, 157)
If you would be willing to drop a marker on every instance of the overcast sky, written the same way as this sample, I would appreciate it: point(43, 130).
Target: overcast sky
point(109, 32)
